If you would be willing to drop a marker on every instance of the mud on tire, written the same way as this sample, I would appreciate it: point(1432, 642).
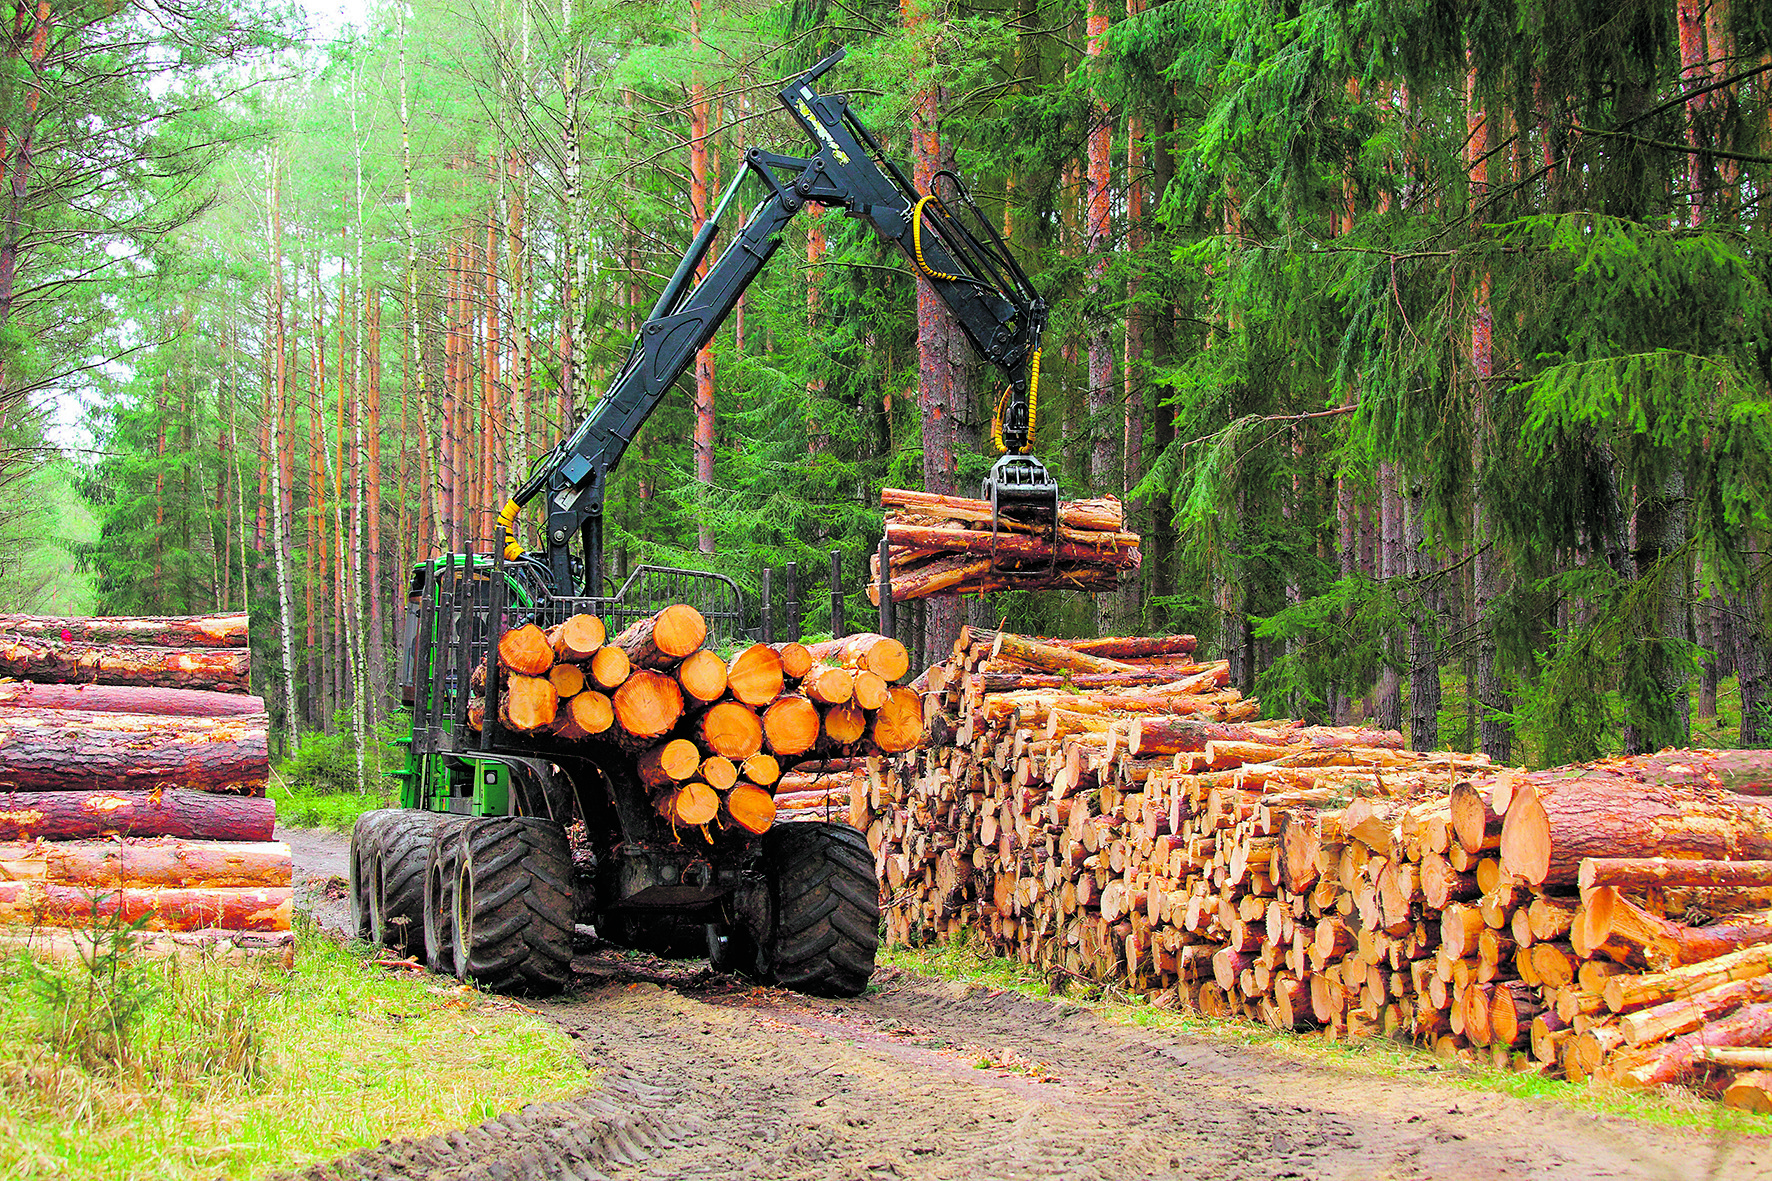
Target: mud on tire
point(512, 910)
point(442, 864)
point(365, 847)
point(827, 908)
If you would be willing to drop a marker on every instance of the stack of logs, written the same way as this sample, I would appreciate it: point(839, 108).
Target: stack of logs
point(133, 763)
point(714, 740)
point(948, 545)
point(1122, 819)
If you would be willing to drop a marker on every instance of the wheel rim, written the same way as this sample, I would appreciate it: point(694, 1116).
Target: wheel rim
point(462, 911)
point(377, 917)
point(440, 950)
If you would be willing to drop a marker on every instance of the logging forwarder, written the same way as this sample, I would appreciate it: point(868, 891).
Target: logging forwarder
point(475, 864)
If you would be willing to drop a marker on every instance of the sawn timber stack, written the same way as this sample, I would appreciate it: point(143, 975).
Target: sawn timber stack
point(1137, 824)
point(133, 763)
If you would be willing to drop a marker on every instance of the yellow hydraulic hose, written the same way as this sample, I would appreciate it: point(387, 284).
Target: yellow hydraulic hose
point(507, 520)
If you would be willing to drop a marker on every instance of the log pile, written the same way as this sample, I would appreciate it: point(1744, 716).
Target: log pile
point(1612, 921)
point(946, 545)
point(714, 740)
point(133, 763)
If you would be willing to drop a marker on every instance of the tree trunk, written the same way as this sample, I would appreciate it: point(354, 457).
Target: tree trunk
point(61, 750)
point(1551, 826)
point(161, 631)
point(163, 862)
point(34, 904)
point(75, 815)
point(225, 670)
point(126, 699)
point(1424, 656)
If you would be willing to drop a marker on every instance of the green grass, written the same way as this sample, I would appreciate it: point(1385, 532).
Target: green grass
point(969, 962)
point(152, 1068)
point(309, 808)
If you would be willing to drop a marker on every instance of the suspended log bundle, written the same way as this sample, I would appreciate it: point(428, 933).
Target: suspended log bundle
point(1160, 836)
point(947, 545)
point(133, 764)
point(710, 734)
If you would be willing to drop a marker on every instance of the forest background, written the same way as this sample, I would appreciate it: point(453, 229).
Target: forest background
point(1430, 344)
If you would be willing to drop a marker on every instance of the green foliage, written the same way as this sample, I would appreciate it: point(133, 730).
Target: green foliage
point(325, 764)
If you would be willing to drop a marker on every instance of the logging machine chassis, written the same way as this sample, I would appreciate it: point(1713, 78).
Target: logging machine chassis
point(475, 866)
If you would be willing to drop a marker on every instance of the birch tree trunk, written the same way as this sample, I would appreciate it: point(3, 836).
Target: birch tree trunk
point(278, 376)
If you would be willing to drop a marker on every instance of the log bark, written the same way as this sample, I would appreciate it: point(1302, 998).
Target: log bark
point(1626, 993)
point(1746, 771)
point(224, 670)
point(153, 862)
point(1693, 1012)
point(154, 631)
point(72, 815)
point(263, 908)
point(1045, 657)
point(664, 638)
point(1134, 647)
point(1113, 550)
point(1549, 828)
point(1101, 513)
point(65, 750)
point(867, 651)
point(205, 946)
point(647, 704)
point(1750, 1025)
point(130, 699)
point(1640, 873)
point(755, 675)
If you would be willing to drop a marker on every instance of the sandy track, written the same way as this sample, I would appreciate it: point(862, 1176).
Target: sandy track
point(702, 1077)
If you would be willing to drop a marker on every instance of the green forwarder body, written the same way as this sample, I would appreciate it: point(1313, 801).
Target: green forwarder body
point(505, 844)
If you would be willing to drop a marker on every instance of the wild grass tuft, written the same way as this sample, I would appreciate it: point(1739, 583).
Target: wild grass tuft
point(122, 1066)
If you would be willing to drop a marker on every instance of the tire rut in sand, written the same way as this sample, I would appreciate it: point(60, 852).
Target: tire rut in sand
point(920, 1079)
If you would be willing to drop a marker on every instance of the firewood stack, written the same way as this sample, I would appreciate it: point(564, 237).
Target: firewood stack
point(1134, 824)
point(946, 545)
point(715, 740)
point(133, 763)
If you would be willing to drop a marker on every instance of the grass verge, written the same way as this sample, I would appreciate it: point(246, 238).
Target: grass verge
point(135, 1068)
point(969, 962)
point(308, 808)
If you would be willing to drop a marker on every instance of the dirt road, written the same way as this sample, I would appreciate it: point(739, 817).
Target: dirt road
point(703, 1077)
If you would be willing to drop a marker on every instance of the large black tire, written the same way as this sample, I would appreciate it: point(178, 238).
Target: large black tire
point(365, 846)
point(827, 908)
point(512, 910)
point(442, 864)
point(397, 882)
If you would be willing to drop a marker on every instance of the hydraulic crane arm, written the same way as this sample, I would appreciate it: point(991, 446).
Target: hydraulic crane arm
point(965, 261)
